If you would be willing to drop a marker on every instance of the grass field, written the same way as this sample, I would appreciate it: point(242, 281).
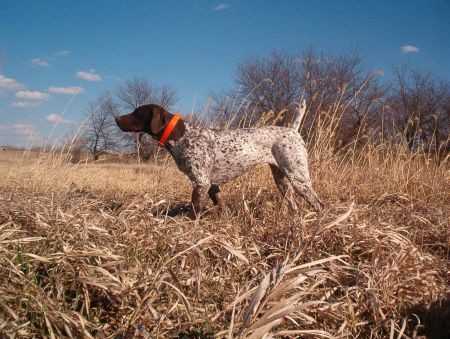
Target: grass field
point(88, 250)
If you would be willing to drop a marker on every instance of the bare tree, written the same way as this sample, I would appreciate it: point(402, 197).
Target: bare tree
point(166, 97)
point(220, 110)
point(134, 93)
point(420, 108)
point(336, 86)
point(267, 84)
point(337, 92)
point(101, 131)
point(137, 92)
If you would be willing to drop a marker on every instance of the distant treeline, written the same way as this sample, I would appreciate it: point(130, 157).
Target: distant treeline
point(357, 105)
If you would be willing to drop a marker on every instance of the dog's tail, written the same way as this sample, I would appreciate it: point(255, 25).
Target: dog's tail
point(298, 118)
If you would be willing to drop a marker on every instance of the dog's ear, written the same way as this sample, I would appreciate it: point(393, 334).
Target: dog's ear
point(178, 131)
point(159, 121)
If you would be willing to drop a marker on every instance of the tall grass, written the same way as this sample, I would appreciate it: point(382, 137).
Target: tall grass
point(89, 250)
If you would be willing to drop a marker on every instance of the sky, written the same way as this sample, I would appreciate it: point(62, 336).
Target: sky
point(57, 56)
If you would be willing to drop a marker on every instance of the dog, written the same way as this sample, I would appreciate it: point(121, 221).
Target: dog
point(212, 157)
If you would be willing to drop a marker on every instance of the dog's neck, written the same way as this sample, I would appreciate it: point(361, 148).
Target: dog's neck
point(176, 133)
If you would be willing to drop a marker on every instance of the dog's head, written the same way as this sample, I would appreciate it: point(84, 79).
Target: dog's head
point(151, 119)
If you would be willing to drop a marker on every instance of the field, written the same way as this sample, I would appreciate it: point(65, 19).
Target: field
point(90, 250)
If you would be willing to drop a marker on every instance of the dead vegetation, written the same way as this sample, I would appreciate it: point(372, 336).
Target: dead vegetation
point(94, 250)
point(89, 250)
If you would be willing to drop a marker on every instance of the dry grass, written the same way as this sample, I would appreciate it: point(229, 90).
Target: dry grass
point(88, 250)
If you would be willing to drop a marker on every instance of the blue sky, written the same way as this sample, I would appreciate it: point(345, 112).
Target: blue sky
point(56, 56)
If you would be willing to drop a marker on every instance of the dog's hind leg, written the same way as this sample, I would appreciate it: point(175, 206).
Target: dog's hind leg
point(284, 186)
point(292, 161)
point(305, 190)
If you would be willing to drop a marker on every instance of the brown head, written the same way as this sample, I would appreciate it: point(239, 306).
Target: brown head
point(151, 119)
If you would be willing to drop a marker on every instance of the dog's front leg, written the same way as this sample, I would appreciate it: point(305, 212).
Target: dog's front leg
point(197, 164)
point(199, 194)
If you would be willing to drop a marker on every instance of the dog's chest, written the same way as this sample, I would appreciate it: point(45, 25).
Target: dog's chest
point(194, 151)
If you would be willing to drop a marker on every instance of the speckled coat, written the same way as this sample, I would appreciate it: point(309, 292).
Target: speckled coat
point(212, 157)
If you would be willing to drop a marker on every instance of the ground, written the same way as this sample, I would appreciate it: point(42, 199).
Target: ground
point(89, 249)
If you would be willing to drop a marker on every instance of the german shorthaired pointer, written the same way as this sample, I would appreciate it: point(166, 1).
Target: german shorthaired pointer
point(212, 157)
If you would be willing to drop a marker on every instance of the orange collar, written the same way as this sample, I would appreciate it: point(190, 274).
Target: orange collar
point(169, 129)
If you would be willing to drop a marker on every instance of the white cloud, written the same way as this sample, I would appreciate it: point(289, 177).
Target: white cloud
point(63, 52)
point(409, 49)
point(9, 83)
point(24, 129)
point(39, 62)
point(55, 119)
point(31, 95)
point(379, 72)
point(24, 104)
point(90, 75)
point(221, 7)
point(66, 90)
point(19, 134)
